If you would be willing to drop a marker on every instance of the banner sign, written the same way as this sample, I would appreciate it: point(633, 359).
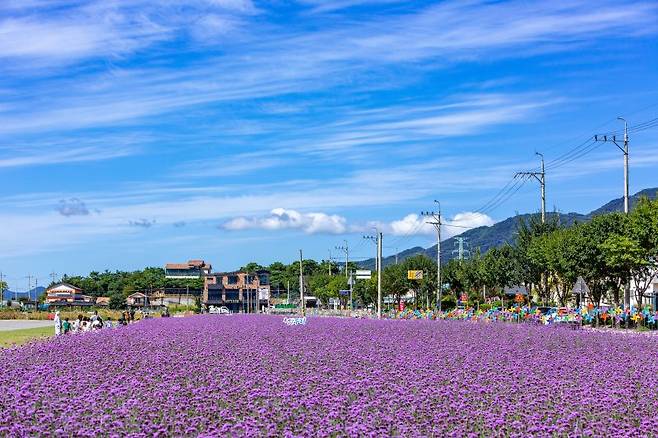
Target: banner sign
point(263, 293)
point(414, 275)
point(294, 321)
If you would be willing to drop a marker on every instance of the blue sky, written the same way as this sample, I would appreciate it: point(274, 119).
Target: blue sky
point(136, 133)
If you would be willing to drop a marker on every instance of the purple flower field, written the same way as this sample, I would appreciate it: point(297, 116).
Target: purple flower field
point(252, 375)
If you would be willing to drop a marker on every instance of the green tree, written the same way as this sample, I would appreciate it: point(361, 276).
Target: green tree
point(117, 301)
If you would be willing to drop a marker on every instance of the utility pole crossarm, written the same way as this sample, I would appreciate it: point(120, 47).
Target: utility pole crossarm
point(624, 150)
point(346, 250)
point(541, 177)
point(536, 175)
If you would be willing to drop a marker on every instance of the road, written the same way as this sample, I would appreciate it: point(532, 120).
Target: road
point(17, 324)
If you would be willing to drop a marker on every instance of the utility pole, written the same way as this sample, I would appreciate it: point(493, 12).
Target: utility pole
point(624, 149)
point(379, 275)
point(396, 255)
point(541, 177)
point(374, 240)
point(2, 287)
point(331, 260)
point(246, 288)
point(378, 263)
point(301, 282)
point(436, 221)
point(29, 286)
point(53, 277)
point(346, 250)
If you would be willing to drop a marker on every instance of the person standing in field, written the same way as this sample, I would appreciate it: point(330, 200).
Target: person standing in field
point(66, 326)
point(58, 324)
point(75, 325)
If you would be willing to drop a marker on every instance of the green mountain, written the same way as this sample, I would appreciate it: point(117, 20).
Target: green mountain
point(503, 232)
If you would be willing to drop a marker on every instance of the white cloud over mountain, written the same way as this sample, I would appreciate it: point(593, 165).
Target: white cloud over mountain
point(323, 223)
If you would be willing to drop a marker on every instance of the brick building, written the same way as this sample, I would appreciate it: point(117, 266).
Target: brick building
point(239, 291)
point(191, 269)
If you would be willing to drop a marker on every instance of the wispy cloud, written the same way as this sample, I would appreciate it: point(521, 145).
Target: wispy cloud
point(281, 218)
point(63, 32)
point(72, 207)
point(439, 34)
point(74, 155)
point(142, 223)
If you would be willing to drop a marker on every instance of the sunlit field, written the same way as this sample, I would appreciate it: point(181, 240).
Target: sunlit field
point(254, 375)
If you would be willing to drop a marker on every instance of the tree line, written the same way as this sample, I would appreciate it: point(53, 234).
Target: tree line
point(607, 252)
point(546, 258)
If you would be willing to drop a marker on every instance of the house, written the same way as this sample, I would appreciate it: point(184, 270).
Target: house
point(192, 269)
point(64, 294)
point(175, 296)
point(137, 299)
point(239, 291)
point(102, 301)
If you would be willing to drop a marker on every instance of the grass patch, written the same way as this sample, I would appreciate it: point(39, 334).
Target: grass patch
point(18, 337)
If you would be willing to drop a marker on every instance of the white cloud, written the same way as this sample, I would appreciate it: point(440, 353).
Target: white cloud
point(411, 224)
point(466, 221)
point(281, 218)
point(414, 224)
point(318, 223)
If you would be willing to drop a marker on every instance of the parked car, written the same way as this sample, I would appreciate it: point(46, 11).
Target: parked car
point(222, 310)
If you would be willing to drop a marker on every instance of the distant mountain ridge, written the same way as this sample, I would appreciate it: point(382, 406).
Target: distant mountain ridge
point(503, 232)
point(32, 293)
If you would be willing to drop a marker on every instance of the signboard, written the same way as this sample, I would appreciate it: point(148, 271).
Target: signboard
point(344, 292)
point(414, 275)
point(580, 287)
point(363, 274)
point(263, 293)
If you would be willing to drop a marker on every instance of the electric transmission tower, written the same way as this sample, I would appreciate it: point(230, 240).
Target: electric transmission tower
point(461, 251)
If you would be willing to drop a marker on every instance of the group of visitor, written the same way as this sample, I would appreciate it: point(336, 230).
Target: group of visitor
point(84, 324)
point(81, 324)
